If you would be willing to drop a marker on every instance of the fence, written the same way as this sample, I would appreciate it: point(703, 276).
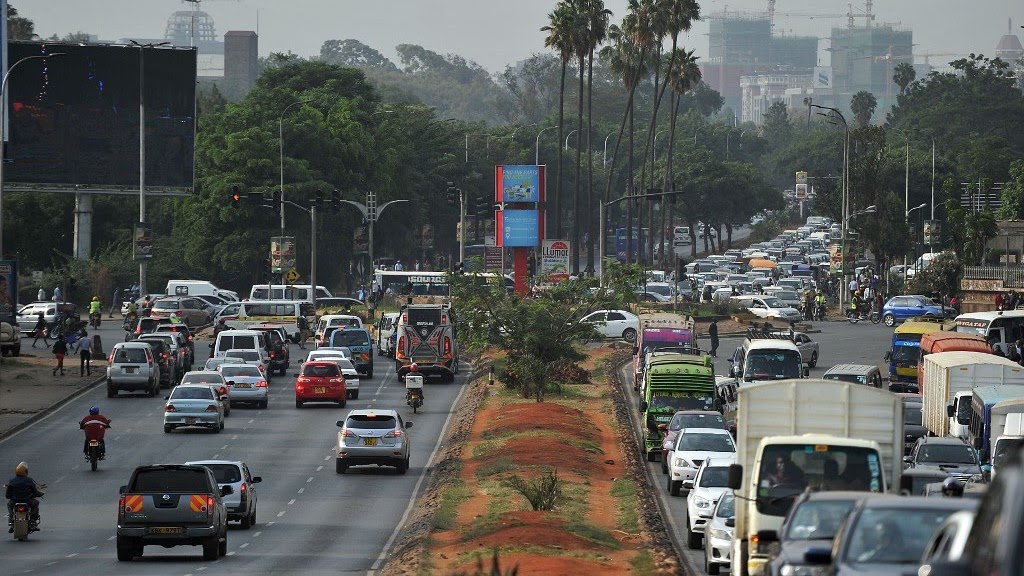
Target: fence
point(1011, 276)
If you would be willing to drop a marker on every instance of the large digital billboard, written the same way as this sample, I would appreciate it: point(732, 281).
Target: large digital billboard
point(74, 119)
point(519, 183)
point(518, 228)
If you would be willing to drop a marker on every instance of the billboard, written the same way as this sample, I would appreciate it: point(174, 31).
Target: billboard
point(822, 76)
point(639, 238)
point(519, 183)
point(143, 241)
point(554, 260)
point(74, 119)
point(518, 228)
point(932, 232)
point(282, 253)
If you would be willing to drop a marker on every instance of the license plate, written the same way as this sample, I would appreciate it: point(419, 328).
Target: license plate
point(243, 385)
point(165, 530)
point(130, 369)
point(319, 390)
point(369, 441)
point(94, 443)
point(190, 420)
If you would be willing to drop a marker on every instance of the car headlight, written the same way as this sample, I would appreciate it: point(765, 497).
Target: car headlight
point(682, 463)
point(790, 570)
point(720, 534)
point(701, 502)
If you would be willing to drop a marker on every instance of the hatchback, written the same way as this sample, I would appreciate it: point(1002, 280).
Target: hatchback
point(320, 381)
point(245, 383)
point(241, 501)
point(378, 437)
point(900, 308)
point(193, 405)
point(718, 534)
point(132, 367)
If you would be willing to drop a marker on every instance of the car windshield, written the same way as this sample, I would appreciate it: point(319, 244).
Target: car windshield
point(773, 365)
point(893, 535)
point(192, 393)
point(911, 414)
point(786, 295)
point(715, 477)
point(239, 342)
point(162, 480)
point(904, 354)
point(680, 421)
point(817, 519)
point(676, 401)
point(1004, 448)
point(130, 355)
point(225, 473)
point(371, 422)
point(773, 303)
point(789, 469)
point(852, 378)
point(320, 370)
point(236, 371)
point(207, 378)
point(349, 338)
point(727, 507)
point(350, 322)
point(951, 453)
point(705, 443)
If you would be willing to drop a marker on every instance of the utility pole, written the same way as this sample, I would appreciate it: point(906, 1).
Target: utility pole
point(371, 212)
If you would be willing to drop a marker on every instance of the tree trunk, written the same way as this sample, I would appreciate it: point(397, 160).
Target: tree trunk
point(575, 245)
point(592, 238)
point(630, 191)
point(556, 205)
point(669, 182)
point(693, 238)
point(728, 231)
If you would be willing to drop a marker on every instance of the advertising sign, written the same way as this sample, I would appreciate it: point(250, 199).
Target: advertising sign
point(620, 244)
point(8, 290)
point(143, 241)
point(518, 228)
point(282, 253)
point(801, 191)
point(427, 237)
point(519, 183)
point(932, 232)
point(492, 258)
point(554, 260)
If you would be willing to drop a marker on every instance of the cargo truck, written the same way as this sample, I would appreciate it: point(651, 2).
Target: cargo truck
point(661, 332)
point(983, 400)
point(673, 382)
point(1007, 432)
point(948, 380)
point(798, 435)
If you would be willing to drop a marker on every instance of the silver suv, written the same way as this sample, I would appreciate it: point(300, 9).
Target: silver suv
point(241, 502)
point(378, 437)
point(132, 368)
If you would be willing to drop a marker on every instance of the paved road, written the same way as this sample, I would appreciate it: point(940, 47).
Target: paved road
point(840, 342)
point(309, 519)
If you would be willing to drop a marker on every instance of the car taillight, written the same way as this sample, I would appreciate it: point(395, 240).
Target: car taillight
point(211, 408)
point(271, 355)
point(165, 355)
point(304, 380)
point(336, 380)
point(447, 346)
point(120, 507)
point(110, 360)
point(394, 434)
point(261, 384)
point(347, 433)
point(170, 408)
point(209, 505)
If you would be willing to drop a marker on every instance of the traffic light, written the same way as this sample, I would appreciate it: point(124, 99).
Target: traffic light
point(484, 207)
point(278, 200)
point(453, 194)
point(319, 202)
point(336, 200)
point(236, 197)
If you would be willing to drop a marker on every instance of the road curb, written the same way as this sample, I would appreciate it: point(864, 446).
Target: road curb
point(51, 408)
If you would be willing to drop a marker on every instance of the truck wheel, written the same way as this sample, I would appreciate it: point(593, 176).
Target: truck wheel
point(211, 547)
point(125, 550)
point(355, 395)
point(298, 403)
point(111, 391)
point(222, 546)
point(342, 403)
point(167, 428)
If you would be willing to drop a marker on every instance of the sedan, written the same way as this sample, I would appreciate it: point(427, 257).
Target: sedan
point(808, 349)
point(245, 383)
point(241, 501)
point(378, 437)
point(900, 308)
point(614, 324)
point(646, 296)
point(215, 380)
point(320, 381)
point(768, 308)
point(718, 534)
point(193, 405)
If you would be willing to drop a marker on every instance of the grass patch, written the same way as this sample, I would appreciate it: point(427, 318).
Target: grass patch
point(628, 519)
point(501, 464)
point(485, 448)
point(594, 534)
point(447, 513)
point(642, 563)
point(598, 374)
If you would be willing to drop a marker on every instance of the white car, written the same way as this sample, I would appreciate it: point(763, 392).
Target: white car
point(614, 324)
point(693, 447)
point(343, 358)
point(769, 308)
point(245, 383)
point(193, 405)
point(718, 533)
point(705, 490)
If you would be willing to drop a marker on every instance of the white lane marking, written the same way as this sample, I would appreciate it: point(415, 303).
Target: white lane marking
point(215, 456)
point(243, 545)
point(59, 479)
point(235, 437)
point(201, 568)
point(128, 431)
point(224, 447)
point(270, 524)
point(281, 513)
point(251, 421)
point(148, 415)
point(319, 468)
point(51, 563)
point(308, 480)
point(116, 438)
point(419, 481)
point(72, 555)
point(232, 553)
point(292, 501)
point(93, 547)
point(111, 538)
point(328, 458)
point(257, 534)
point(301, 490)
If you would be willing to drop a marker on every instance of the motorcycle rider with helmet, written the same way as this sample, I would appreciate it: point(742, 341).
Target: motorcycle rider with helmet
point(95, 308)
point(95, 426)
point(414, 370)
point(22, 488)
point(952, 488)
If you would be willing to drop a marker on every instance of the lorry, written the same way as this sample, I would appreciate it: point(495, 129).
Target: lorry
point(983, 400)
point(1007, 432)
point(674, 381)
point(662, 331)
point(426, 337)
point(806, 434)
point(948, 379)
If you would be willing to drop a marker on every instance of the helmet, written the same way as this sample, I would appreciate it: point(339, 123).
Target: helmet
point(94, 410)
point(414, 368)
point(221, 320)
point(95, 298)
point(21, 469)
point(952, 487)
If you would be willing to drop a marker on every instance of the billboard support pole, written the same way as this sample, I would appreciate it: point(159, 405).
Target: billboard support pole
point(519, 265)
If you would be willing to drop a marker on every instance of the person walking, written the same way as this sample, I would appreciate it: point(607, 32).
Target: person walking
point(41, 295)
point(85, 352)
point(303, 331)
point(713, 334)
point(39, 330)
point(60, 348)
point(58, 296)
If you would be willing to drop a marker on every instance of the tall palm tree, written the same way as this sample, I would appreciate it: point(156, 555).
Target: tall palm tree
point(863, 106)
point(560, 38)
point(902, 75)
point(581, 46)
point(597, 32)
point(682, 75)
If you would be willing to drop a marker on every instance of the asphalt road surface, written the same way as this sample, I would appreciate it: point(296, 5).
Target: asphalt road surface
point(310, 520)
point(839, 342)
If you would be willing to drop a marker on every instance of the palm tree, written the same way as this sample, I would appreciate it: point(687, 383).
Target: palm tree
point(682, 75)
point(598, 17)
point(560, 38)
point(902, 75)
point(863, 106)
point(581, 46)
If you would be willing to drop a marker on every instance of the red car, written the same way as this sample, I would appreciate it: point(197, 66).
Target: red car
point(320, 382)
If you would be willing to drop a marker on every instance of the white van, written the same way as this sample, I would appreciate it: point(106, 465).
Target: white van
point(286, 292)
point(681, 236)
point(241, 340)
point(198, 288)
point(385, 327)
point(278, 313)
point(333, 320)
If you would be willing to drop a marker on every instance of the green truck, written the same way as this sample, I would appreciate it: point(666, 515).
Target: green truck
point(674, 381)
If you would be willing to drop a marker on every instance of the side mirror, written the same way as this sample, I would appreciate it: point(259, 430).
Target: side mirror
point(296, 375)
point(227, 490)
point(730, 522)
point(408, 424)
point(122, 490)
point(688, 484)
point(223, 398)
point(949, 411)
point(735, 480)
point(340, 423)
point(643, 406)
point(818, 556)
point(257, 479)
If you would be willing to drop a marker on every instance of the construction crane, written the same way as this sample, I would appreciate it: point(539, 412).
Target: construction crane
point(849, 15)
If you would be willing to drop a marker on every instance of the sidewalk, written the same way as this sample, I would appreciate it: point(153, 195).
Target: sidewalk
point(28, 389)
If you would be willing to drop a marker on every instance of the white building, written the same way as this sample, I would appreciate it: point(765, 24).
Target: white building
point(759, 92)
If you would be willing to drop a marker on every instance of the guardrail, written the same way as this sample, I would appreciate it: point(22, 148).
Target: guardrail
point(1012, 277)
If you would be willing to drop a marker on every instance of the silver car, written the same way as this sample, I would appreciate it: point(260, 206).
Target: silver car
point(240, 356)
point(241, 502)
point(718, 534)
point(245, 383)
point(378, 437)
point(193, 405)
point(215, 380)
point(132, 368)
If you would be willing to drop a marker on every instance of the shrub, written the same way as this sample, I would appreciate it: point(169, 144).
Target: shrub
point(542, 493)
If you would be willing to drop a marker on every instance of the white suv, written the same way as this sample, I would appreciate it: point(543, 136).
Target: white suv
point(769, 308)
point(693, 447)
point(705, 490)
point(240, 503)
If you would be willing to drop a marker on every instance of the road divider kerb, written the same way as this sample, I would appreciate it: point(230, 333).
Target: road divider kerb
point(38, 416)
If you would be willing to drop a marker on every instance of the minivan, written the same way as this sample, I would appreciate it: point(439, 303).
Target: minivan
point(132, 367)
point(867, 374)
point(358, 340)
point(239, 340)
point(277, 313)
point(334, 320)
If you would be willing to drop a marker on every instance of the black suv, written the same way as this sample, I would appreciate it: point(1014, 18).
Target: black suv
point(950, 455)
point(277, 349)
point(168, 366)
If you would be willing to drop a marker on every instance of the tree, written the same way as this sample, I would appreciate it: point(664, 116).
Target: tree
point(597, 32)
point(560, 37)
point(1013, 193)
point(777, 127)
point(355, 54)
point(18, 27)
point(968, 231)
point(863, 105)
point(902, 75)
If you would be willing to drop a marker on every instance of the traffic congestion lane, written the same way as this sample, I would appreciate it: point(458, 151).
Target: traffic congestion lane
point(839, 343)
point(308, 517)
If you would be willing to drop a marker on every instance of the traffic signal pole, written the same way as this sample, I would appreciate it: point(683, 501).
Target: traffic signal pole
point(370, 212)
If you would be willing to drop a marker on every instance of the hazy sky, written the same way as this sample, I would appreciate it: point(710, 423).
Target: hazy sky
point(499, 32)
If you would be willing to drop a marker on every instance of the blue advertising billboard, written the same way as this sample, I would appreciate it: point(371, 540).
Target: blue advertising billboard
point(639, 238)
point(518, 228)
point(519, 183)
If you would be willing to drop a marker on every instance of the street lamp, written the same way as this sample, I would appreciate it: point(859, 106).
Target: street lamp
point(371, 212)
point(536, 146)
point(566, 148)
point(3, 124)
point(280, 140)
point(513, 137)
point(654, 151)
point(604, 158)
point(833, 112)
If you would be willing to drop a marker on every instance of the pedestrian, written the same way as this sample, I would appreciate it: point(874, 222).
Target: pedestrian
point(58, 296)
point(416, 266)
point(60, 348)
point(41, 295)
point(303, 331)
point(854, 286)
point(39, 330)
point(998, 301)
point(85, 353)
point(713, 334)
point(361, 294)
point(398, 266)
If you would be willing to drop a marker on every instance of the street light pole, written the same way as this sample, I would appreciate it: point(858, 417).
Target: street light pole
point(370, 213)
point(906, 195)
point(846, 184)
point(536, 146)
point(143, 264)
point(280, 140)
point(3, 134)
point(604, 158)
point(567, 139)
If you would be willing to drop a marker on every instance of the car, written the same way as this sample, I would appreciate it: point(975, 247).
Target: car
point(278, 354)
point(193, 405)
point(245, 383)
point(866, 374)
point(320, 381)
point(900, 308)
point(54, 315)
point(648, 296)
point(950, 455)
point(10, 339)
point(357, 340)
point(322, 353)
point(693, 447)
point(884, 535)
point(913, 426)
point(808, 349)
point(686, 419)
point(132, 366)
point(705, 489)
point(718, 534)
point(812, 520)
point(175, 347)
point(768, 308)
point(614, 324)
point(378, 437)
point(215, 380)
point(919, 481)
point(192, 311)
point(186, 335)
point(790, 298)
point(147, 325)
point(169, 370)
point(239, 355)
point(241, 502)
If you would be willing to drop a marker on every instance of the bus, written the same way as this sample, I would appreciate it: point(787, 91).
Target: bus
point(405, 283)
point(905, 351)
point(287, 292)
point(1001, 328)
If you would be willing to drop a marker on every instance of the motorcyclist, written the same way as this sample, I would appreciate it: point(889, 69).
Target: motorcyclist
point(819, 305)
point(22, 488)
point(95, 307)
point(147, 305)
point(95, 426)
point(414, 370)
point(951, 487)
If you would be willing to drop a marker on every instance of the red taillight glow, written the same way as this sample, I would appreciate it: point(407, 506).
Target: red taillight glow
point(399, 350)
point(304, 380)
point(336, 380)
point(447, 346)
point(347, 433)
point(211, 408)
point(261, 384)
point(394, 434)
point(170, 408)
point(209, 505)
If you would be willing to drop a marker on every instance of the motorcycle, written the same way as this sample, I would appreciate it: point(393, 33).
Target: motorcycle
point(819, 313)
point(854, 316)
point(414, 391)
point(21, 521)
point(95, 454)
point(95, 318)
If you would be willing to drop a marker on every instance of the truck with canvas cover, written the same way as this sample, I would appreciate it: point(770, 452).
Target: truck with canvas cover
point(426, 337)
point(660, 332)
point(949, 377)
point(798, 435)
point(674, 381)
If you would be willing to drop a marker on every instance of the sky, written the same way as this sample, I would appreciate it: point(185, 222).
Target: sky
point(495, 33)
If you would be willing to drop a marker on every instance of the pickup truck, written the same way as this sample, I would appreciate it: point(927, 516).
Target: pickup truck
point(171, 505)
point(10, 339)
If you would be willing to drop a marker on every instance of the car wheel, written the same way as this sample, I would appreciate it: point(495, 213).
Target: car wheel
point(889, 320)
point(298, 403)
point(629, 335)
point(709, 566)
point(343, 403)
point(227, 411)
point(222, 546)
point(674, 486)
point(125, 550)
point(664, 466)
point(814, 360)
point(369, 375)
point(403, 466)
point(355, 395)
point(339, 467)
point(263, 404)
point(167, 428)
point(221, 427)
point(692, 538)
point(111, 391)
point(252, 517)
point(211, 548)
